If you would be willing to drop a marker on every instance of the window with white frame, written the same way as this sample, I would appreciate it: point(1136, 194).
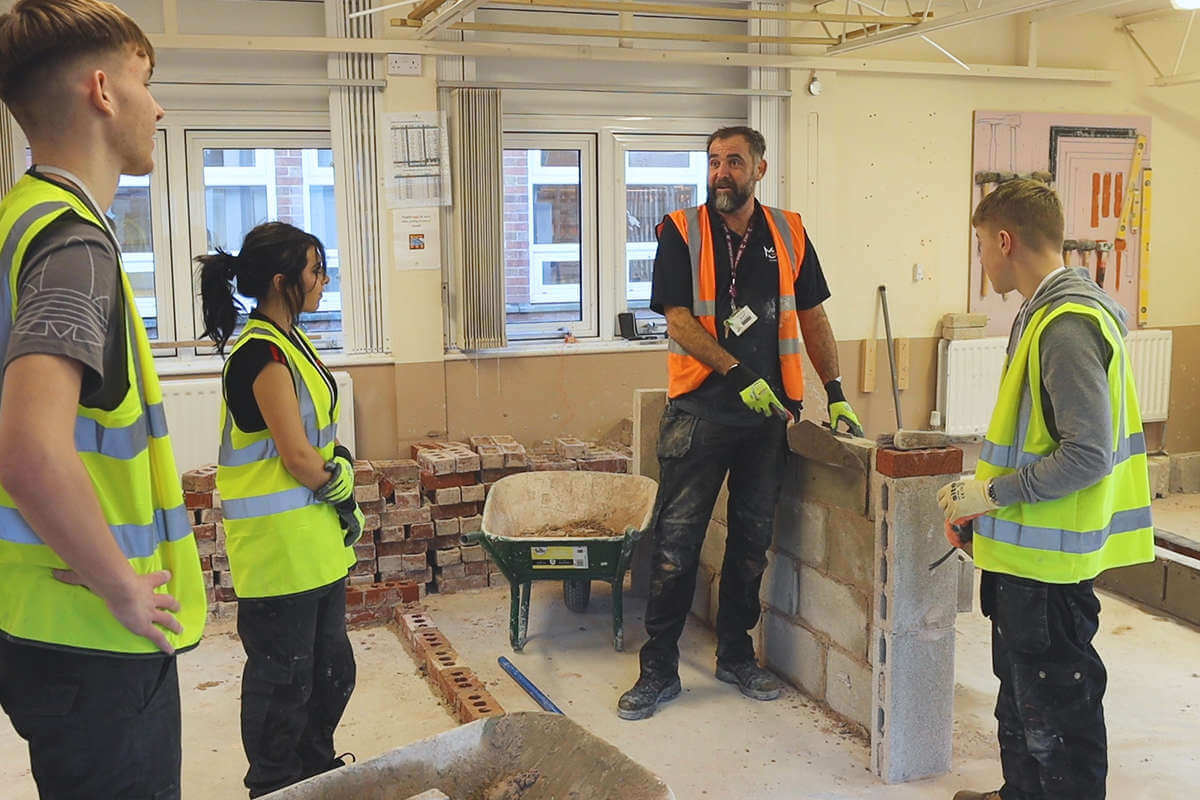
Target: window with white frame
point(580, 218)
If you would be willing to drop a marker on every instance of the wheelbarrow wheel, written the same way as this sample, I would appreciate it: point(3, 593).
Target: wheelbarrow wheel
point(576, 593)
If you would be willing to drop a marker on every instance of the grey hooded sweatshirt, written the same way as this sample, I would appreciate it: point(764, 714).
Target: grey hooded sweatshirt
point(1075, 396)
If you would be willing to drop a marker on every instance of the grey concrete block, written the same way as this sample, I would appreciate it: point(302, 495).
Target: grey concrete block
point(780, 584)
point(848, 687)
point(795, 654)
point(966, 584)
point(910, 537)
point(648, 407)
point(701, 600)
point(1159, 468)
point(913, 714)
point(1185, 472)
point(1182, 597)
point(850, 542)
point(832, 486)
point(800, 528)
point(1145, 583)
point(837, 610)
point(712, 552)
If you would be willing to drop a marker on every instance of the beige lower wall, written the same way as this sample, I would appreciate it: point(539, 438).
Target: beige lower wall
point(540, 397)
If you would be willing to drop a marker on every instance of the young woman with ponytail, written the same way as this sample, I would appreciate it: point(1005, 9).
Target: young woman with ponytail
point(287, 492)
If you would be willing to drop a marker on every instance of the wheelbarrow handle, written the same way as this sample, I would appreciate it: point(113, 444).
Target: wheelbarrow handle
point(474, 537)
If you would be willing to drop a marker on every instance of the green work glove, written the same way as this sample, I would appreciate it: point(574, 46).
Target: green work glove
point(756, 393)
point(340, 486)
point(351, 517)
point(840, 410)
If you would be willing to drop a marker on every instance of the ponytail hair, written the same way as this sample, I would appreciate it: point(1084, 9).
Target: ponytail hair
point(219, 305)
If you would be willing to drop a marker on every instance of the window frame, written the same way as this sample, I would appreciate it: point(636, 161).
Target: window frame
point(589, 255)
point(613, 137)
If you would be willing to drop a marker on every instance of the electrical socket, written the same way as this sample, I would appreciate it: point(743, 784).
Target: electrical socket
point(403, 64)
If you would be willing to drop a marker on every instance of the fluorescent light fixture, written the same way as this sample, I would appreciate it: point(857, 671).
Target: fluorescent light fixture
point(1187, 5)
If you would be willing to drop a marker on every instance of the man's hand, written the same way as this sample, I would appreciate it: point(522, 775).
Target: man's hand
point(340, 486)
point(960, 531)
point(965, 498)
point(840, 410)
point(353, 522)
point(137, 606)
point(756, 393)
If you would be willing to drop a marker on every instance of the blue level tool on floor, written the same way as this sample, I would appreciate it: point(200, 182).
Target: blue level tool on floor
point(527, 685)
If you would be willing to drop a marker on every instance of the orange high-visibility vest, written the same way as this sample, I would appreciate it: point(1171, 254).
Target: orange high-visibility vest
point(684, 372)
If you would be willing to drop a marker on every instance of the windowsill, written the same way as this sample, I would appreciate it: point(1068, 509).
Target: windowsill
point(212, 365)
point(558, 348)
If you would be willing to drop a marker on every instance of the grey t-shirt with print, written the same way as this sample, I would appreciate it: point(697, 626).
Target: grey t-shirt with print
point(70, 303)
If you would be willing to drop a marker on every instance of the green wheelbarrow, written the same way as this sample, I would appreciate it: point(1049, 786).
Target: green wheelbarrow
point(565, 526)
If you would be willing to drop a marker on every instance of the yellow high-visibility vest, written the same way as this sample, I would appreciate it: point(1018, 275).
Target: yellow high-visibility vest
point(128, 457)
point(1076, 537)
point(281, 540)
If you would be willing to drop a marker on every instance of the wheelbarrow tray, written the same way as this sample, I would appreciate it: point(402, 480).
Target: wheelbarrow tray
point(532, 501)
point(466, 761)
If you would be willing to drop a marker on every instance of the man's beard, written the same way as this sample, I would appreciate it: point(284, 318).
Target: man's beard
point(732, 200)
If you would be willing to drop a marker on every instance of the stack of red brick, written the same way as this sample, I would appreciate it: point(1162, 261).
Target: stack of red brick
point(455, 681)
point(416, 512)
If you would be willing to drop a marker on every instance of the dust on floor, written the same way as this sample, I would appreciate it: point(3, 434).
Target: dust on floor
point(710, 743)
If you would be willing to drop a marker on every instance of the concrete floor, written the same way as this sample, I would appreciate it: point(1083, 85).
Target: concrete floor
point(711, 742)
point(1179, 514)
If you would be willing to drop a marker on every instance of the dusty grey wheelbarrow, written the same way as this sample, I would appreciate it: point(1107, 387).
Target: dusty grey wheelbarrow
point(551, 756)
point(568, 508)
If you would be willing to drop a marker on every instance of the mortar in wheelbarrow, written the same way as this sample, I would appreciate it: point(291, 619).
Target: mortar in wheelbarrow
point(570, 526)
point(493, 758)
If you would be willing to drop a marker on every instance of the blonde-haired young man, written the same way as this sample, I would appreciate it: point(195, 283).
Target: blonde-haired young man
point(1060, 494)
point(101, 577)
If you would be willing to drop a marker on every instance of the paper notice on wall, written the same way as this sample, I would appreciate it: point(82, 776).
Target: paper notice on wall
point(416, 241)
point(417, 161)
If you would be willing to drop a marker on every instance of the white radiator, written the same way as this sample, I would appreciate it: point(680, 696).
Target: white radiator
point(968, 381)
point(193, 408)
point(969, 378)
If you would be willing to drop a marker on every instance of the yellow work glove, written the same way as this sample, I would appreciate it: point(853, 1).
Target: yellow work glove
point(965, 498)
point(840, 410)
point(340, 485)
point(756, 393)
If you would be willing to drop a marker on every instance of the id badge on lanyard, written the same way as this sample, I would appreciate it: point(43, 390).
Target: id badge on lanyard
point(740, 319)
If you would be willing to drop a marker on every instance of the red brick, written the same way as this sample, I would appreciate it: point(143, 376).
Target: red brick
point(471, 524)
point(201, 479)
point(367, 616)
point(449, 540)
point(370, 522)
point(406, 547)
point(391, 533)
point(472, 493)
point(405, 516)
point(412, 622)
point(408, 499)
point(364, 473)
point(364, 549)
point(447, 496)
point(486, 441)
point(473, 704)
point(450, 678)
point(421, 530)
point(225, 594)
point(913, 463)
point(205, 531)
point(472, 552)
point(194, 500)
point(476, 568)
point(541, 463)
point(437, 462)
point(398, 470)
point(465, 583)
point(367, 493)
point(450, 571)
point(426, 444)
point(428, 640)
point(386, 487)
point(208, 515)
point(493, 475)
point(354, 597)
point(491, 457)
point(413, 562)
point(205, 563)
point(431, 482)
point(364, 567)
point(444, 556)
point(453, 510)
point(373, 507)
point(447, 527)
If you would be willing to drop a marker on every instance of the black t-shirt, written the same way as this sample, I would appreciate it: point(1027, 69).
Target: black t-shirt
point(71, 303)
point(757, 286)
point(247, 361)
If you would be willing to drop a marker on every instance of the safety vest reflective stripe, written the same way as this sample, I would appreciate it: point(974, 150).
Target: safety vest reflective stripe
point(265, 504)
point(1000, 455)
point(125, 442)
point(1059, 540)
point(135, 541)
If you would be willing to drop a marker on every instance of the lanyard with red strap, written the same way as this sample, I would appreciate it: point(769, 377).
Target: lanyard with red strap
point(734, 260)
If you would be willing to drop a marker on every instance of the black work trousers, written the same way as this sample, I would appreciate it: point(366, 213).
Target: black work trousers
point(694, 456)
point(97, 725)
point(298, 678)
point(1050, 711)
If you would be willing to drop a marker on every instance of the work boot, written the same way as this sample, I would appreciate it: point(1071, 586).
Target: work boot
point(651, 689)
point(969, 795)
point(751, 679)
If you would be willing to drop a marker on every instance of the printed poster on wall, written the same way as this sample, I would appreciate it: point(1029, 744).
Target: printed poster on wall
point(416, 243)
point(417, 161)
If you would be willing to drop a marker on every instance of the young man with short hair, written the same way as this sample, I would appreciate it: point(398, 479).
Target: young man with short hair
point(1060, 494)
point(101, 577)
